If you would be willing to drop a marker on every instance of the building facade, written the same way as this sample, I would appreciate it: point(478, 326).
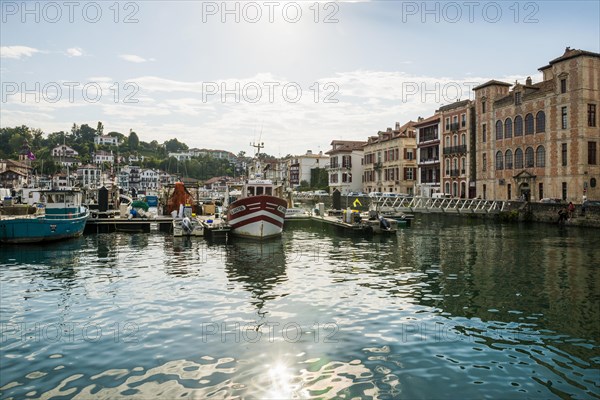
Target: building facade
point(102, 156)
point(64, 151)
point(300, 167)
point(540, 140)
point(456, 177)
point(88, 176)
point(428, 156)
point(106, 140)
point(345, 166)
point(149, 180)
point(389, 161)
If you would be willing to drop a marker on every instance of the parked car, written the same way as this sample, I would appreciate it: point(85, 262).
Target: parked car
point(550, 200)
point(356, 194)
point(375, 194)
point(591, 203)
point(321, 193)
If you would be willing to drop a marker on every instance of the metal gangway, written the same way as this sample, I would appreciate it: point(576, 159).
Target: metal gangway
point(438, 205)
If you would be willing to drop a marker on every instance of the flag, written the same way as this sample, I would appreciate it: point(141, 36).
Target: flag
point(30, 155)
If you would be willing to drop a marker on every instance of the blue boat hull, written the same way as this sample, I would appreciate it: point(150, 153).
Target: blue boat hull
point(41, 229)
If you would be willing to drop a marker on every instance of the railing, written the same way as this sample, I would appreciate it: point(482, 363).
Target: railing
point(454, 126)
point(442, 205)
point(462, 149)
point(454, 172)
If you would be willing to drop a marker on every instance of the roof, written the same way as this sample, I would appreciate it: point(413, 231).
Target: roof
point(569, 54)
point(13, 172)
point(456, 104)
point(427, 121)
point(345, 146)
point(491, 83)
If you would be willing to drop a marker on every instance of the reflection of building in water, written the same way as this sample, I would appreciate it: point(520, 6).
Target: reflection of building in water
point(258, 265)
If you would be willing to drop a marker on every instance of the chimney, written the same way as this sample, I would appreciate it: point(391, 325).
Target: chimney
point(528, 81)
point(419, 119)
point(397, 126)
point(308, 152)
point(389, 130)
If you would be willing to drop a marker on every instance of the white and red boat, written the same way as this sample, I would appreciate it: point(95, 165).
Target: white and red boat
point(260, 211)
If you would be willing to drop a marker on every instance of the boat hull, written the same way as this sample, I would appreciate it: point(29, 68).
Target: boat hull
point(41, 229)
point(257, 217)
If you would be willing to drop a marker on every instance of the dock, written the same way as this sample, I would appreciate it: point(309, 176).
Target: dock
point(134, 225)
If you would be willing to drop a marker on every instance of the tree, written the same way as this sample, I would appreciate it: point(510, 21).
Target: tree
point(100, 128)
point(174, 146)
point(133, 141)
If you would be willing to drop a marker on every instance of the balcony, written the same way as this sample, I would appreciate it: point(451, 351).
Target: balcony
point(454, 126)
point(429, 161)
point(454, 173)
point(455, 149)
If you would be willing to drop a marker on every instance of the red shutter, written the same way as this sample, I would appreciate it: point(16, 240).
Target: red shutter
point(405, 175)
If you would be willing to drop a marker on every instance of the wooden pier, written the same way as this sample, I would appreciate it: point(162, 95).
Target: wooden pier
point(134, 225)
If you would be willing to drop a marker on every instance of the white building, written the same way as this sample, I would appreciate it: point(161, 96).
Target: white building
point(181, 156)
point(64, 151)
point(300, 167)
point(102, 156)
point(123, 179)
point(88, 175)
point(149, 180)
point(106, 139)
point(345, 166)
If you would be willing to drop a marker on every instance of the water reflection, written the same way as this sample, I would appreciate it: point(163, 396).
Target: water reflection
point(259, 266)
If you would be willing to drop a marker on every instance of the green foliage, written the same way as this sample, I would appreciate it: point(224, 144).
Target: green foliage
point(319, 178)
point(133, 141)
point(175, 146)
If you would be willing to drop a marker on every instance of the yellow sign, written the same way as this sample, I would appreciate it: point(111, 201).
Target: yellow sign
point(356, 201)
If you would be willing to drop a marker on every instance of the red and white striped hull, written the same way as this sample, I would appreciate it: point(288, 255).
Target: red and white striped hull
point(257, 217)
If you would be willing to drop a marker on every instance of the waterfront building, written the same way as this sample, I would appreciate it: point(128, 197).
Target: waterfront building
point(89, 176)
point(149, 180)
point(300, 167)
point(345, 165)
point(540, 140)
point(428, 155)
point(389, 161)
point(457, 177)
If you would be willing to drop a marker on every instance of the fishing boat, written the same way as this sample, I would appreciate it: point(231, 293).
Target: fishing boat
point(259, 212)
point(180, 206)
point(56, 214)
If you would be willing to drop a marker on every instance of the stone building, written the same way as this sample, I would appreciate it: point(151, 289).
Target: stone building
point(390, 162)
point(540, 140)
point(428, 155)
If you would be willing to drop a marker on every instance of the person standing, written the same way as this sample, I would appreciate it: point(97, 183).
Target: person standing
point(571, 209)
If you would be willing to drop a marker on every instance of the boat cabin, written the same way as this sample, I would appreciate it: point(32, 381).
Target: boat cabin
point(258, 187)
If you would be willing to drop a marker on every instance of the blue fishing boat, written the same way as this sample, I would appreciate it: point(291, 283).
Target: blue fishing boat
point(55, 215)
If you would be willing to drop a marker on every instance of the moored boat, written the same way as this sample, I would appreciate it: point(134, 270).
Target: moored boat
point(59, 214)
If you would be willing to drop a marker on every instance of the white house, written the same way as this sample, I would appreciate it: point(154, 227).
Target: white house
point(300, 167)
point(88, 175)
point(345, 166)
point(181, 156)
point(64, 151)
point(102, 156)
point(149, 180)
point(106, 139)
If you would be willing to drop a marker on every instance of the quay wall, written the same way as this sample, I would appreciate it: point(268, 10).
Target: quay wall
point(516, 211)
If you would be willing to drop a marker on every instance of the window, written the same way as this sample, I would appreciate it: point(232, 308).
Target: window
point(463, 120)
point(592, 153)
point(591, 115)
point(499, 160)
point(529, 157)
point(447, 166)
point(484, 132)
point(564, 154)
point(408, 174)
point(463, 165)
point(540, 122)
point(508, 159)
point(563, 85)
point(540, 157)
point(564, 190)
point(447, 141)
point(463, 139)
point(529, 124)
point(333, 178)
point(518, 126)
point(518, 98)
point(447, 187)
point(508, 128)
point(593, 182)
point(448, 123)
point(508, 191)
point(484, 162)
point(518, 159)
point(483, 106)
point(455, 140)
point(541, 190)
point(499, 134)
point(563, 114)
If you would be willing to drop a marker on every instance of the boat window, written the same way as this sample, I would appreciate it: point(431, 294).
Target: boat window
point(269, 191)
point(31, 195)
point(250, 191)
point(50, 198)
point(60, 198)
point(259, 190)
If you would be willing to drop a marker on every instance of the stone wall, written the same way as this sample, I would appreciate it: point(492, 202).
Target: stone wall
point(548, 213)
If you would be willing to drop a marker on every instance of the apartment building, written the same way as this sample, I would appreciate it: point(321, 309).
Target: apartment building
point(389, 161)
point(345, 165)
point(428, 155)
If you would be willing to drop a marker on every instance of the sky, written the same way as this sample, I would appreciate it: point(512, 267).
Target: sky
point(292, 74)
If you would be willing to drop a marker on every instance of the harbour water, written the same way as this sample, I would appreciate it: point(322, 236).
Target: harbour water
point(449, 308)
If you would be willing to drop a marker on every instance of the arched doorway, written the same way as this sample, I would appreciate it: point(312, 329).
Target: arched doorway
point(525, 191)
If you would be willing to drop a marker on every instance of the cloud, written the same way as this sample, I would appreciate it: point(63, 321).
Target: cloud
point(135, 59)
point(17, 52)
point(75, 52)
